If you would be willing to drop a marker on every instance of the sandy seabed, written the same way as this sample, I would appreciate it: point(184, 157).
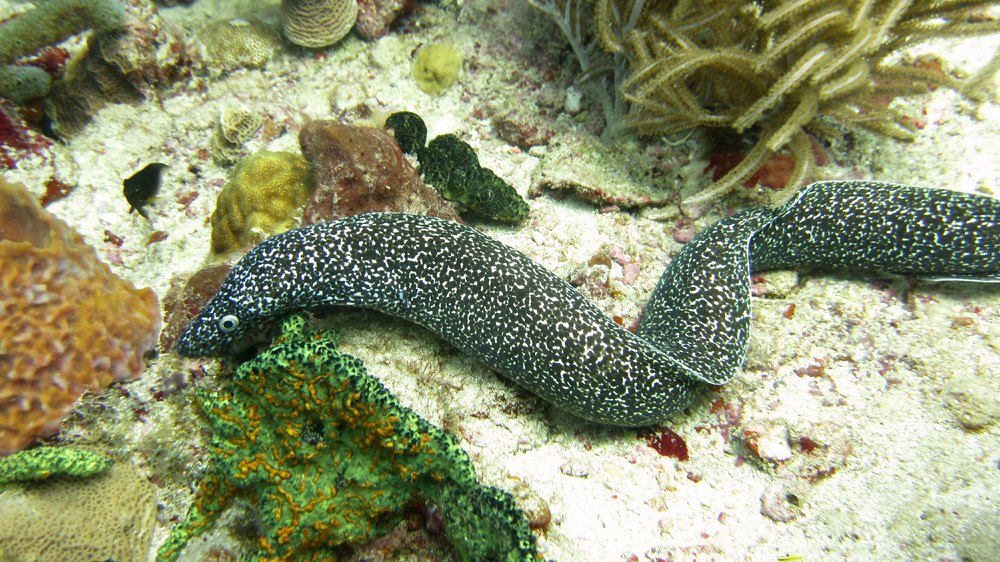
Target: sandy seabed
point(863, 427)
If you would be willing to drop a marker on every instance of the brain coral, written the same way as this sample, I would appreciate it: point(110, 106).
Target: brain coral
point(105, 517)
point(317, 23)
point(236, 124)
point(68, 325)
point(261, 199)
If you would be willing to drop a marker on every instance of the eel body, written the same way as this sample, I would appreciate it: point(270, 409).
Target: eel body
point(523, 321)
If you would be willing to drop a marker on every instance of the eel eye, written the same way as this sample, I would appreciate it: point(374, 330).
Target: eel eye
point(228, 323)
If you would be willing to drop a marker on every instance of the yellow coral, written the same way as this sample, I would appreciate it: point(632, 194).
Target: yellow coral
point(105, 517)
point(68, 325)
point(262, 198)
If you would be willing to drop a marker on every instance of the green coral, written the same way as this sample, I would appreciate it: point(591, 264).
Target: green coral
point(436, 66)
point(452, 167)
point(330, 458)
point(48, 24)
point(42, 462)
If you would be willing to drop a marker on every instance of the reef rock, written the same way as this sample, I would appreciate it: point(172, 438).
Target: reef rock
point(375, 17)
point(362, 170)
point(126, 67)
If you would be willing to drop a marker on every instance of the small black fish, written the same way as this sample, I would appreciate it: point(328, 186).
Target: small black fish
point(142, 187)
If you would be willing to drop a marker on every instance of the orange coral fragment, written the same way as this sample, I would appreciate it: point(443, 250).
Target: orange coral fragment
point(68, 325)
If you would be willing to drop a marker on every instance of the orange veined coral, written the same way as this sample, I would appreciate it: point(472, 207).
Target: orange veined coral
point(68, 325)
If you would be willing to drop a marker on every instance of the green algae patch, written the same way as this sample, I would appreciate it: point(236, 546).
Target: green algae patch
point(452, 167)
point(44, 462)
point(329, 457)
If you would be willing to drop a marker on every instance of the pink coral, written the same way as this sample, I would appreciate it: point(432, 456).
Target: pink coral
point(68, 325)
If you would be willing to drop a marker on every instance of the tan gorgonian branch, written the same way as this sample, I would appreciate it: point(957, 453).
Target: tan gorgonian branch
point(771, 68)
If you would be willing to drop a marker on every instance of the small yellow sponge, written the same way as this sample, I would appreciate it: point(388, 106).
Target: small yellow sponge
point(436, 67)
point(262, 198)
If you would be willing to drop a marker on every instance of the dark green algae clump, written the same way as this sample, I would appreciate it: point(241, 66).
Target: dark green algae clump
point(452, 167)
point(330, 457)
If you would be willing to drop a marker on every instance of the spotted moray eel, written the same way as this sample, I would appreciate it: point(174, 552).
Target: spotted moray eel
point(523, 321)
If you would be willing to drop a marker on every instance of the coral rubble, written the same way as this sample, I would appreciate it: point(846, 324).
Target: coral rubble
point(330, 458)
point(360, 170)
point(261, 198)
point(68, 325)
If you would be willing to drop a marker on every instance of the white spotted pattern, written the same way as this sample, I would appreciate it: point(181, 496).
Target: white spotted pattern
point(494, 303)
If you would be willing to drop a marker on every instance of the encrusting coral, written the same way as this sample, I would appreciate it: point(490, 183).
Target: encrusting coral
point(360, 170)
point(261, 198)
point(68, 325)
point(236, 43)
point(317, 23)
point(329, 457)
point(108, 514)
point(767, 69)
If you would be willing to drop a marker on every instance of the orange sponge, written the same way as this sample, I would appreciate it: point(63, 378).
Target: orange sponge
point(68, 325)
